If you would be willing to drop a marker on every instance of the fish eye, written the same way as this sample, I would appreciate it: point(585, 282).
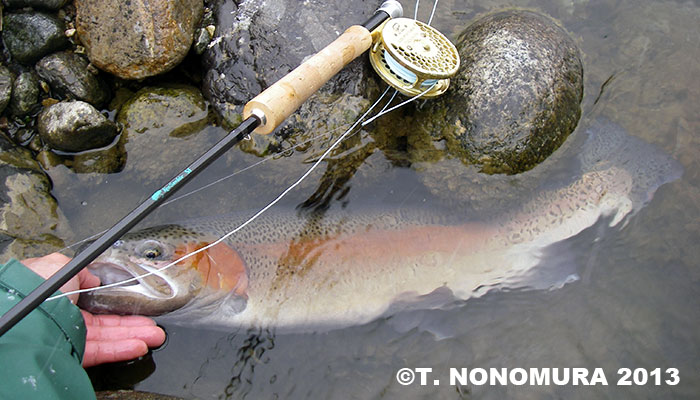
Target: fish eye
point(152, 253)
point(150, 249)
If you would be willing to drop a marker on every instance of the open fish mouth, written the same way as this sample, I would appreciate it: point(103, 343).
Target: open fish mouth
point(111, 274)
point(121, 278)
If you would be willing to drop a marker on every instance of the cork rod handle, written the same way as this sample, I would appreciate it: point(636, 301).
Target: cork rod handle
point(280, 100)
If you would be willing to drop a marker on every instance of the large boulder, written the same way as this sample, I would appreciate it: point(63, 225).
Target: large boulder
point(137, 39)
point(517, 94)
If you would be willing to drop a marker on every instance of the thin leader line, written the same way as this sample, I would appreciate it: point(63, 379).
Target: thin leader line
point(433, 12)
point(416, 97)
point(255, 164)
point(284, 193)
point(382, 112)
point(243, 225)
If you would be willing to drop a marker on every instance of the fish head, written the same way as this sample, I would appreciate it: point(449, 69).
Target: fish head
point(162, 269)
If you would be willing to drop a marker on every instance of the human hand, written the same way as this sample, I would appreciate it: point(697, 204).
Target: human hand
point(48, 265)
point(110, 338)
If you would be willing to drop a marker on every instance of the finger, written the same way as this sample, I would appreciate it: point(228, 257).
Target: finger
point(116, 320)
point(47, 265)
point(87, 279)
point(99, 352)
point(153, 336)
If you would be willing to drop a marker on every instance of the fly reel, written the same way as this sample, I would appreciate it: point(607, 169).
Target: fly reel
point(413, 57)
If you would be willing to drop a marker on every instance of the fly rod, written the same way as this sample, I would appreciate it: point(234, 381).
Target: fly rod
point(261, 115)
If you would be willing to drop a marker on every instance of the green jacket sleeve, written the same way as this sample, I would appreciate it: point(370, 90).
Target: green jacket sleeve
point(41, 356)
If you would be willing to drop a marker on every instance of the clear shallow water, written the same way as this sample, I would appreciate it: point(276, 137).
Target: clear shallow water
point(636, 304)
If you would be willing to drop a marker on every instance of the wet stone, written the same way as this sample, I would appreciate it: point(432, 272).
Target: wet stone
point(31, 35)
point(162, 126)
point(36, 4)
point(74, 126)
point(31, 224)
point(104, 161)
point(6, 79)
point(135, 39)
point(25, 94)
point(68, 75)
point(517, 94)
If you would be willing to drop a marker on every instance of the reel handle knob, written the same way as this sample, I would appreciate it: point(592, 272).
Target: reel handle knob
point(280, 100)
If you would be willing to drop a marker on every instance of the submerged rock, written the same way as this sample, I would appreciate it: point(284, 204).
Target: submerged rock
point(162, 121)
point(75, 126)
point(31, 35)
point(67, 73)
point(31, 223)
point(134, 39)
point(516, 97)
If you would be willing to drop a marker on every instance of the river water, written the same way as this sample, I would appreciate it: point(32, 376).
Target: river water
point(636, 304)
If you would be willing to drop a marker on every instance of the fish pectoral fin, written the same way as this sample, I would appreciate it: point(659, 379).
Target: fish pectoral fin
point(222, 268)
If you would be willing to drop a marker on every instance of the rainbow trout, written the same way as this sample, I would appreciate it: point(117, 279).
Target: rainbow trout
point(325, 271)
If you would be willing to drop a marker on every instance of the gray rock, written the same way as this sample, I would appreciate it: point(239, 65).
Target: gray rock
point(31, 35)
point(259, 42)
point(75, 126)
point(25, 94)
point(6, 79)
point(38, 4)
point(67, 73)
point(31, 224)
point(516, 97)
point(134, 39)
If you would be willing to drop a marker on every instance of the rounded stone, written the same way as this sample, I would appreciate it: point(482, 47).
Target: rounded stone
point(135, 39)
point(516, 97)
point(74, 126)
point(25, 94)
point(68, 75)
point(6, 79)
point(31, 35)
point(37, 4)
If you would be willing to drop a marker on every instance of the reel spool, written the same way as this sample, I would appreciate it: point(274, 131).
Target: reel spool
point(412, 56)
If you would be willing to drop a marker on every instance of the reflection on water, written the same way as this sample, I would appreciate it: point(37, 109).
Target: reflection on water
point(636, 302)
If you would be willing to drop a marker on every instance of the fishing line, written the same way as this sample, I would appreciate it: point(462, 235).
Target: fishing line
point(400, 105)
point(255, 164)
point(262, 114)
point(421, 71)
point(433, 12)
point(251, 219)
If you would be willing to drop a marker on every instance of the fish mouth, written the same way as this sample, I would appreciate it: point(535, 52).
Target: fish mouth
point(116, 277)
point(113, 275)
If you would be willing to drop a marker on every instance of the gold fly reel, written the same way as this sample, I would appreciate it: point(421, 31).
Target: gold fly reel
point(413, 57)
